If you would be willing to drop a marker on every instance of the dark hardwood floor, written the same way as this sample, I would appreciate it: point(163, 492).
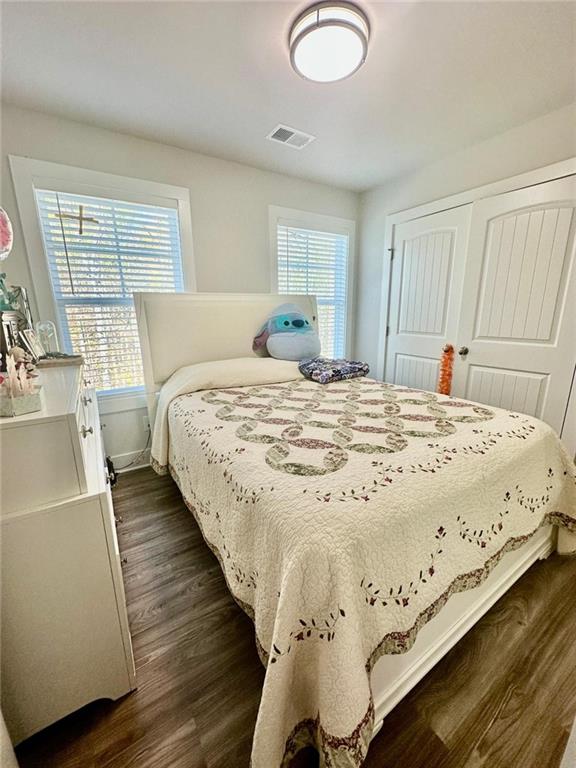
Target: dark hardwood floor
point(504, 697)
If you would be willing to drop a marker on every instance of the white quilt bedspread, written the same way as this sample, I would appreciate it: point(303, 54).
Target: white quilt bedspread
point(344, 516)
point(239, 371)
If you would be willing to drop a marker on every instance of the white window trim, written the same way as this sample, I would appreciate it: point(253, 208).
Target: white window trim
point(308, 220)
point(29, 174)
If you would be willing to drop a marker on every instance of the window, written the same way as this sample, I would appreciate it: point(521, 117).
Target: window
point(92, 239)
point(100, 251)
point(313, 255)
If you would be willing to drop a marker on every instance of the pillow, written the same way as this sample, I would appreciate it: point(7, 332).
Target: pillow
point(287, 334)
point(235, 372)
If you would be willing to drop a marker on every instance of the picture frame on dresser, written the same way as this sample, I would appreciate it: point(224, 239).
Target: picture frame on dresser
point(11, 323)
point(32, 343)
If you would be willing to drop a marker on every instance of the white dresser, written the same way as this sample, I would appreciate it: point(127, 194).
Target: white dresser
point(64, 626)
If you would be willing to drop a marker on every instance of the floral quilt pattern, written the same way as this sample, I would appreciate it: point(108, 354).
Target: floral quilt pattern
point(344, 516)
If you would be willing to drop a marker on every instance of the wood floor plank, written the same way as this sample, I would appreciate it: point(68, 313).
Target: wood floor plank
point(504, 697)
point(530, 689)
point(407, 740)
point(449, 696)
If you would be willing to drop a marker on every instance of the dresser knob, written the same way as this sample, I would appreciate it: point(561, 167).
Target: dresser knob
point(86, 400)
point(86, 430)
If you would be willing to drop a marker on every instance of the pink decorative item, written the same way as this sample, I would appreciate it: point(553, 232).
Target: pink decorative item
point(6, 235)
point(6, 239)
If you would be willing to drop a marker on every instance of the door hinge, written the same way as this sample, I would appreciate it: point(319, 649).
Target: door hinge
point(387, 330)
point(391, 252)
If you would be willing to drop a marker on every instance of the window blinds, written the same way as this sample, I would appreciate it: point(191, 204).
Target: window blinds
point(311, 261)
point(99, 252)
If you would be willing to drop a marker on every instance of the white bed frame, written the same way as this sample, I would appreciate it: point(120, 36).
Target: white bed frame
point(179, 329)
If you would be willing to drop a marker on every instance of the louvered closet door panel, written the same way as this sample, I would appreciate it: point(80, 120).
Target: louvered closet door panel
point(519, 301)
point(427, 275)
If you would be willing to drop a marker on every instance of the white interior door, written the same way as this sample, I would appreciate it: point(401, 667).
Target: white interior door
point(518, 316)
point(425, 295)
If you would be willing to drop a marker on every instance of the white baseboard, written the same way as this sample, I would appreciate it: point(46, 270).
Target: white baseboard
point(477, 602)
point(122, 460)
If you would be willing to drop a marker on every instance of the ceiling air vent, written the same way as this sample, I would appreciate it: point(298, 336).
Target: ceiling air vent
point(290, 137)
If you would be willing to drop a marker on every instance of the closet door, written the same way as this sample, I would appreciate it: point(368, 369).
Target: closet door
point(425, 295)
point(518, 317)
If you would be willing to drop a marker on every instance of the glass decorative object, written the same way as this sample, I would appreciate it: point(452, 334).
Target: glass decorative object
point(47, 336)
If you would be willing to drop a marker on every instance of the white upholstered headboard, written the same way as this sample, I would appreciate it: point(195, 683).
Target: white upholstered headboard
point(178, 329)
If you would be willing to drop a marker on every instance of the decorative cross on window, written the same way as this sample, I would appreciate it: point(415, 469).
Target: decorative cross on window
point(80, 218)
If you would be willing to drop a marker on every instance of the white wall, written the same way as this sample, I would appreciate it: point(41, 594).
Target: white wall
point(230, 201)
point(543, 141)
point(229, 204)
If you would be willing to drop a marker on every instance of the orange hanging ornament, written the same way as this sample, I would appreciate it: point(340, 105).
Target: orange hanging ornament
point(446, 366)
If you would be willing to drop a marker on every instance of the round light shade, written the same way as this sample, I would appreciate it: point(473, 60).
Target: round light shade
point(329, 41)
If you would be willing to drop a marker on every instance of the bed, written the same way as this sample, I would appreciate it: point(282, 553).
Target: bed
point(364, 527)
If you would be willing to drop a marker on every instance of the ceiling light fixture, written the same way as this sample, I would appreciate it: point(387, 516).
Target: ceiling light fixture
point(329, 41)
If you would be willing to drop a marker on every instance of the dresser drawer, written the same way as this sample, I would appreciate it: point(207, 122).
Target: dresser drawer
point(41, 455)
point(39, 464)
point(62, 622)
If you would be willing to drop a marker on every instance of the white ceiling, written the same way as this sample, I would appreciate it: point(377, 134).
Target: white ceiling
point(215, 77)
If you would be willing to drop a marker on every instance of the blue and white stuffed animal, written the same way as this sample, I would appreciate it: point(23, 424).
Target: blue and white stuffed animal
point(287, 334)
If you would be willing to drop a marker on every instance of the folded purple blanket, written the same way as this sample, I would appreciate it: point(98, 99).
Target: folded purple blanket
point(323, 370)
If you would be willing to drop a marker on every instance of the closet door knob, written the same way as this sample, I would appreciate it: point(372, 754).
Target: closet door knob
point(463, 351)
